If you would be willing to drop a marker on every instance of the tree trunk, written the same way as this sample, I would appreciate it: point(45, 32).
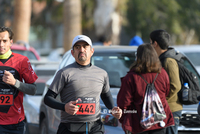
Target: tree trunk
point(107, 20)
point(21, 23)
point(189, 37)
point(72, 22)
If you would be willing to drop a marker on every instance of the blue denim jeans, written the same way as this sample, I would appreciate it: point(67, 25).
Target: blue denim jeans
point(13, 129)
point(174, 129)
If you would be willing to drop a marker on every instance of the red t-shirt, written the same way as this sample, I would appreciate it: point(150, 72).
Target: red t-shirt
point(12, 112)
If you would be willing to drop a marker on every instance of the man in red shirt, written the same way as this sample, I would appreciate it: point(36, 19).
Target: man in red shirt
point(14, 69)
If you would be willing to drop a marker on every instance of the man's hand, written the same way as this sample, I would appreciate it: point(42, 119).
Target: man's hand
point(70, 108)
point(8, 78)
point(117, 112)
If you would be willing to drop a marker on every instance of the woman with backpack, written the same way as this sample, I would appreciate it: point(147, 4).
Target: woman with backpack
point(131, 97)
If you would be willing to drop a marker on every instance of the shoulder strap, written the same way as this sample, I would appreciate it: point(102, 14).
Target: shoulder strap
point(146, 81)
point(163, 61)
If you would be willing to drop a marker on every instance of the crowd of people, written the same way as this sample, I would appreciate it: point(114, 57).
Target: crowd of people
point(84, 83)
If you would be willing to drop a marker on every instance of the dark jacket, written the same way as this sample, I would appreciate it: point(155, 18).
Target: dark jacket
point(168, 60)
point(171, 53)
point(131, 97)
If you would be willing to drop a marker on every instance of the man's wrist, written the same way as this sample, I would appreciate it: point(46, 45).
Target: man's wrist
point(17, 83)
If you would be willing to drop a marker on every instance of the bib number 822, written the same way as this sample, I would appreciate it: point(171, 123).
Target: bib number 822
point(86, 108)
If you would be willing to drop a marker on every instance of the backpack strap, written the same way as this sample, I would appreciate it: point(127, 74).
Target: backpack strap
point(163, 60)
point(146, 81)
point(147, 84)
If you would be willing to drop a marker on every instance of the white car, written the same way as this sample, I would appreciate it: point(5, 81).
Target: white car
point(32, 104)
point(192, 52)
point(44, 70)
point(190, 119)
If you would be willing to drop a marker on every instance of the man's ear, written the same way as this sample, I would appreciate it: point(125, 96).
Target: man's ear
point(11, 42)
point(156, 44)
point(72, 52)
point(92, 50)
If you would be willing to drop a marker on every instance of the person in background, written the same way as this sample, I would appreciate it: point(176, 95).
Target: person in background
point(132, 92)
point(160, 40)
point(136, 41)
point(14, 68)
point(104, 41)
point(80, 86)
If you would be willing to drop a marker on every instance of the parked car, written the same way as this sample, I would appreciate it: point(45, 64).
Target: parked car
point(44, 71)
point(116, 60)
point(192, 52)
point(23, 48)
point(190, 120)
point(32, 105)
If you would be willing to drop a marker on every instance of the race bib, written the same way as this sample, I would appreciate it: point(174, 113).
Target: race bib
point(86, 106)
point(7, 92)
point(6, 97)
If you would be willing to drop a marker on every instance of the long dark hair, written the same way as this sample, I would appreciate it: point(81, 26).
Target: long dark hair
point(147, 60)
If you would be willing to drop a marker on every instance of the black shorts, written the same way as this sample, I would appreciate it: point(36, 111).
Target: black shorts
point(13, 129)
point(95, 127)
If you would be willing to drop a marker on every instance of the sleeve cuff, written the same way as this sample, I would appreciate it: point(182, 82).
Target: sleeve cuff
point(63, 107)
point(17, 83)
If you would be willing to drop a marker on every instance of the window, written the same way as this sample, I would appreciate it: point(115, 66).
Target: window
point(28, 54)
point(189, 66)
point(193, 57)
point(115, 64)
